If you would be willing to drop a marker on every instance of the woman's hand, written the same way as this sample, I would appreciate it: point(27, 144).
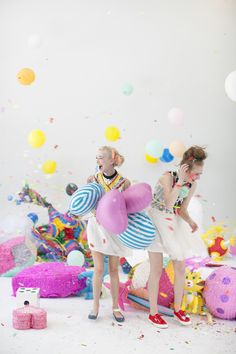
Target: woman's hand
point(182, 174)
point(193, 225)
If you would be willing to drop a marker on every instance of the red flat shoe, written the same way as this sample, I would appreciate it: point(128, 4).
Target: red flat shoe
point(182, 318)
point(157, 321)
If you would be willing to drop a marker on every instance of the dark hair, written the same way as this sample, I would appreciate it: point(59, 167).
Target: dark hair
point(194, 155)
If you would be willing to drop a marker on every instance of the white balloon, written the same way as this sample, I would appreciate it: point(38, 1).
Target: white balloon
point(75, 258)
point(230, 86)
point(34, 41)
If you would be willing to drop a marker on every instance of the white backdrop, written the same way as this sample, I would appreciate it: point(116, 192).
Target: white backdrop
point(175, 54)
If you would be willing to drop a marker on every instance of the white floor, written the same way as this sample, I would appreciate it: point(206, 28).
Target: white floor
point(70, 332)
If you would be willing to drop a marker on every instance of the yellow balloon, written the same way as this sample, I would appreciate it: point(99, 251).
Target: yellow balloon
point(151, 159)
point(26, 76)
point(177, 148)
point(112, 133)
point(36, 138)
point(49, 167)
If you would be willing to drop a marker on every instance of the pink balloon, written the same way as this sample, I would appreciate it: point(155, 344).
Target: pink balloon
point(111, 212)
point(137, 197)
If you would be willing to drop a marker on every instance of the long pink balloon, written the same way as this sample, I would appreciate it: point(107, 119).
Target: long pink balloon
point(137, 197)
point(111, 212)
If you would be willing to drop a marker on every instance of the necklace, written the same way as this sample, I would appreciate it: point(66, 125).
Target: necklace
point(110, 177)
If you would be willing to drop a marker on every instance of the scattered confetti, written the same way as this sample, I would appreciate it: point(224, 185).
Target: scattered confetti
point(56, 146)
point(2, 324)
point(51, 120)
point(170, 219)
point(170, 227)
point(141, 336)
point(213, 219)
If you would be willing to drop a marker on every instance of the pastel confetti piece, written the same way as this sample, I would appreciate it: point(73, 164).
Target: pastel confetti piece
point(169, 219)
point(163, 295)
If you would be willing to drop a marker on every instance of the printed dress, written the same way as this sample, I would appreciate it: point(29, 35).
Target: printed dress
point(174, 236)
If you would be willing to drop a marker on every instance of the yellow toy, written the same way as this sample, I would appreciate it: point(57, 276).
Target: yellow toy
point(192, 300)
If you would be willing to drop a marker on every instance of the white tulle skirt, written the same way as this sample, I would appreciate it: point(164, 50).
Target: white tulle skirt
point(102, 241)
point(174, 236)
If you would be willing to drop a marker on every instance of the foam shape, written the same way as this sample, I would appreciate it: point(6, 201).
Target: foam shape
point(140, 231)
point(220, 293)
point(29, 317)
point(85, 199)
point(14, 256)
point(54, 279)
point(137, 197)
point(27, 296)
point(111, 212)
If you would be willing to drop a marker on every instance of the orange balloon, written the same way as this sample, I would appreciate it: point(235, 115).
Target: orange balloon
point(177, 148)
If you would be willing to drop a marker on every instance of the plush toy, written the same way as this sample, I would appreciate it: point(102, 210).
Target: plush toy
point(192, 300)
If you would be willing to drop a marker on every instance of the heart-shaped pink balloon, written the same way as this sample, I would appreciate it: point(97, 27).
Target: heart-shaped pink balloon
point(111, 212)
point(137, 197)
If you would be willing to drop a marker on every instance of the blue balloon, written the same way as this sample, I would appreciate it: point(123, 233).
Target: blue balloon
point(34, 217)
point(166, 156)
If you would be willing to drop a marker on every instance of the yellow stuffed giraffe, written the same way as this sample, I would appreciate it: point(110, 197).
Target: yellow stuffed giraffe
point(192, 300)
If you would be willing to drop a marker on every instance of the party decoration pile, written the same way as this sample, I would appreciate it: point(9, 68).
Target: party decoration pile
point(134, 291)
point(63, 234)
point(14, 256)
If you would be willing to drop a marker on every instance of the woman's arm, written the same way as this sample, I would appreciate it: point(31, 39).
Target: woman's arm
point(183, 211)
point(171, 193)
